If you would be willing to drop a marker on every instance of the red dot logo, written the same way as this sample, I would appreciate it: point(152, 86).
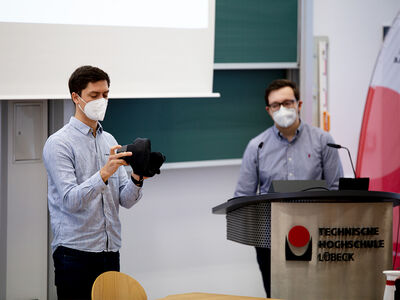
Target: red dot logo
point(299, 236)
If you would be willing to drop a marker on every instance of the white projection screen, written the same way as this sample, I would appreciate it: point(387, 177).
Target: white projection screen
point(150, 49)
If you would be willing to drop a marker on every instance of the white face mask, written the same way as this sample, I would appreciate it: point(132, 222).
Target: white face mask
point(95, 110)
point(285, 117)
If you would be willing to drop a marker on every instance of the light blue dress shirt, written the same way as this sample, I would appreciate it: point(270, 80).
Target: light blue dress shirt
point(306, 157)
point(84, 211)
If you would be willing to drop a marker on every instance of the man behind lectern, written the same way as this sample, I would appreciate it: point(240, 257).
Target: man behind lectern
point(289, 150)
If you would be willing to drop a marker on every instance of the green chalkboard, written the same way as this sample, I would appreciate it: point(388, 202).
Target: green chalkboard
point(256, 31)
point(198, 129)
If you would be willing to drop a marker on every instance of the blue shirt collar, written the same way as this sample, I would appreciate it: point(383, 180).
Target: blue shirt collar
point(279, 135)
point(82, 127)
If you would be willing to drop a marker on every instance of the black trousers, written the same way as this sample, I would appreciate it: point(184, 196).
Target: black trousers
point(76, 271)
point(264, 263)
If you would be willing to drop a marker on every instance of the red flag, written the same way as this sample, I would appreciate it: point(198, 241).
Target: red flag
point(379, 146)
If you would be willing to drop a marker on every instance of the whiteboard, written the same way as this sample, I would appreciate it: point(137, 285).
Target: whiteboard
point(144, 60)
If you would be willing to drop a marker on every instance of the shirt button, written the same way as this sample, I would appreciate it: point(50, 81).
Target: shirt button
point(290, 159)
point(290, 174)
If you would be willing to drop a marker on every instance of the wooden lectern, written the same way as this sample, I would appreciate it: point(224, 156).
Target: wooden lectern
point(329, 245)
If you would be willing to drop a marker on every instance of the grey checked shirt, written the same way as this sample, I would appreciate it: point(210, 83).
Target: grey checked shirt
point(84, 211)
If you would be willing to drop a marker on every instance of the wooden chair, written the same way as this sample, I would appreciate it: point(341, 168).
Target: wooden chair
point(114, 285)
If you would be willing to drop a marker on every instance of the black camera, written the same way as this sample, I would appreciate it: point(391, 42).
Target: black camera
point(143, 162)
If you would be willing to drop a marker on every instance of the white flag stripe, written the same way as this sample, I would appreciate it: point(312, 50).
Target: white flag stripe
point(387, 68)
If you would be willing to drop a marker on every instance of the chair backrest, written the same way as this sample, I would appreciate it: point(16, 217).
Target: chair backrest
point(114, 285)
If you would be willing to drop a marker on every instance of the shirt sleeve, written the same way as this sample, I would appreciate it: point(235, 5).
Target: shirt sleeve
point(59, 163)
point(129, 193)
point(331, 164)
point(248, 177)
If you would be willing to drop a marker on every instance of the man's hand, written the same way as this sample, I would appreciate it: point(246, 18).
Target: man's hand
point(114, 162)
point(137, 177)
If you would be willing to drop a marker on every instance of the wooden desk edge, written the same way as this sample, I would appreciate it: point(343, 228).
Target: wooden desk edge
point(206, 296)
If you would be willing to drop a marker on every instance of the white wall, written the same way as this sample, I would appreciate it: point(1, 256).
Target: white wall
point(355, 31)
point(26, 205)
point(172, 243)
point(3, 198)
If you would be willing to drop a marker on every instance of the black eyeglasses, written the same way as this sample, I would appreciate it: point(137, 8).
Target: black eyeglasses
point(286, 104)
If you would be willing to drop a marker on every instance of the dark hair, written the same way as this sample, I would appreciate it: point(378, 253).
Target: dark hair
point(83, 75)
point(278, 84)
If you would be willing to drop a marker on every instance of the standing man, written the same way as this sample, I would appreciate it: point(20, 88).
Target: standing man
point(289, 150)
point(86, 187)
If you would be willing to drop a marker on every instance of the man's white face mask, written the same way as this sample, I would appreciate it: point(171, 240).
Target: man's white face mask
point(285, 117)
point(95, 110)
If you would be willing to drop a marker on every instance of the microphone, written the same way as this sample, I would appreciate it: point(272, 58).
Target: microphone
point(258, 167)
point(355, 183)
point(338, 147)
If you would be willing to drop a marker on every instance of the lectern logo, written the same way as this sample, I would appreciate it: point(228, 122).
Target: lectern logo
point(298, 244)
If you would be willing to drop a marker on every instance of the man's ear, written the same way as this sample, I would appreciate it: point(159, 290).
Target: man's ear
point(268, 109)
point(74, 97)
point(299, 103)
